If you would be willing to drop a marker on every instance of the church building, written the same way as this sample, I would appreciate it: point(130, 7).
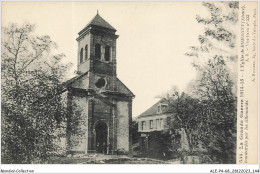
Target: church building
point(99, 104)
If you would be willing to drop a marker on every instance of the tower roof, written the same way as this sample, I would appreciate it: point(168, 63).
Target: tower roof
point(98, 21)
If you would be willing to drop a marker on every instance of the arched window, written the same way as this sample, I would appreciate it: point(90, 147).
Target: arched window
point(107, 53)
point(86, 52)
point(81, 55)
point(98, 51)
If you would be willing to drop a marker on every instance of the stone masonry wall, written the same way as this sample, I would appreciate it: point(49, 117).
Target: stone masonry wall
point(78, 125)
point(85, 65)
point(82, 83)
point(101, 66)
point(123, 125)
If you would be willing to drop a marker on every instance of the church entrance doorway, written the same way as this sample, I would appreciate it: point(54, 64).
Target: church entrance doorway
point(101, 137)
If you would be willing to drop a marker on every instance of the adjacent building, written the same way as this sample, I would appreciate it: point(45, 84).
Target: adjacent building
point(153, 128)
point(150, 124)
point(154, 119)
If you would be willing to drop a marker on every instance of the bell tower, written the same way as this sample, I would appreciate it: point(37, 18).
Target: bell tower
point(96, 96)
point(97, 47)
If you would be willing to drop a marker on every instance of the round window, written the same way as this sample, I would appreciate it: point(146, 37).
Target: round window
point(101, 83)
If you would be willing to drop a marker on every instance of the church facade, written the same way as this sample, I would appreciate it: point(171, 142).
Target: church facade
point(99, 104)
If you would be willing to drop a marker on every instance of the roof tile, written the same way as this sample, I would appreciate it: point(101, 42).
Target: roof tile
point(98, 21)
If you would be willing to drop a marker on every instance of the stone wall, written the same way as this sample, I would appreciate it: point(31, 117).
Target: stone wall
point(95, 77)
point(86, 112)
point(104, 41)
point(123, 125)
point(101, 66)
point(82, 82)
point(85, 65)
point(98, 112)
point(78, 124)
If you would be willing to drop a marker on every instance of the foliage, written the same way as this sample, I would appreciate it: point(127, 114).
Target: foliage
point(31, 108)
point(218, 128)
point(135, 133)
point(208, 117)
point(207, 114)
point(220, 30)
point(184, 118)
point(214, 87)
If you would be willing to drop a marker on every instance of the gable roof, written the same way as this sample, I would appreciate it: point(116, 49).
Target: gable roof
point(98, 21)
point(153, 110)
point(121, 88)
point(68, 82)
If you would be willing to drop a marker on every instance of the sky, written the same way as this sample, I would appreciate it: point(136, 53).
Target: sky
point(153, 39)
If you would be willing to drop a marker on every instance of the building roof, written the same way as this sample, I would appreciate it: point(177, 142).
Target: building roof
point(98, 21)
point(153, 110)
point(68, 82)
point(121, 88)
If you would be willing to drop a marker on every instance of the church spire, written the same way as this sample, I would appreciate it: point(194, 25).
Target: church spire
point(98, 21)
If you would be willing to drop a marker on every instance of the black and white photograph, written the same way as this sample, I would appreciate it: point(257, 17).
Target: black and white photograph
point(128, 83)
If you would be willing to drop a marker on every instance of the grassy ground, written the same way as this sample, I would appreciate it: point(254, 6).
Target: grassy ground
point(107, 159)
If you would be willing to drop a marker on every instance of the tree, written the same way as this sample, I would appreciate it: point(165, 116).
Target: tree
point(206, 114)
point(32, 108)
point(216, 61)
point(135, 133)
point(220, 30)
point(184, 122)
point(214, 88)
point(207, 119)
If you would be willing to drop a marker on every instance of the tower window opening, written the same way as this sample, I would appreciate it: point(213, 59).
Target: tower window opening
point(107, 53)
point(86, 52)
point(98, 51)
point(81, 55)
